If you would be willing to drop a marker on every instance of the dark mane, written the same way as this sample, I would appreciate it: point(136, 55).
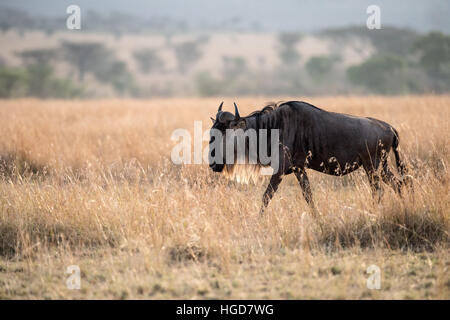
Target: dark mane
point(271, 106)
point(302, 103)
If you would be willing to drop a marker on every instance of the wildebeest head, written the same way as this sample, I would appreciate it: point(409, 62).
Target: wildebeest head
point(224, 120)
point(236, 153)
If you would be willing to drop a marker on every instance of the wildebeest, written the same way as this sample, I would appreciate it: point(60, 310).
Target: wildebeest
point(329, 142)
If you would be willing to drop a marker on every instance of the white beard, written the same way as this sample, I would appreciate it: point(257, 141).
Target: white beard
point(242, 173)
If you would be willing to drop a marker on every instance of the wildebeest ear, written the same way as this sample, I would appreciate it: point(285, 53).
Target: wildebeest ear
point(212, 120)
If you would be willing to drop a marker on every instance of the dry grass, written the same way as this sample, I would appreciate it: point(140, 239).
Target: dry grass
point(91, 183)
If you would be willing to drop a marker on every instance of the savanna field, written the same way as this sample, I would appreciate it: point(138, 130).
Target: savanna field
point(91, 183)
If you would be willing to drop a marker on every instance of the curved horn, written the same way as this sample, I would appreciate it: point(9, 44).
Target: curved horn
point(220, 107)
point(236, 111)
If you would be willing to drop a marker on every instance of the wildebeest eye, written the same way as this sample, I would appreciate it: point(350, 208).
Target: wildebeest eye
point(240, 124)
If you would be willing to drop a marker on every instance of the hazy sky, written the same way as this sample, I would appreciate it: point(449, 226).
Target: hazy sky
point(274, 15)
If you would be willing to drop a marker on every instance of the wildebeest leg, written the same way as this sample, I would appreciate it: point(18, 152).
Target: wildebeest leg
point(304, 184)
point(389, 178)
point(374, 180)
point(271, 189)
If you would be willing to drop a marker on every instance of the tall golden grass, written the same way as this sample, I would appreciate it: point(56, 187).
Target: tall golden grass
point(77, 176)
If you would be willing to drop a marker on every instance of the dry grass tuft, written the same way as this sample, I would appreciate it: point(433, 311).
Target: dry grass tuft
point(14, 165)
point(397, 226)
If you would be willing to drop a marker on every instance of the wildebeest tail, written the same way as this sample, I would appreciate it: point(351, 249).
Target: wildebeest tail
point(401, 167)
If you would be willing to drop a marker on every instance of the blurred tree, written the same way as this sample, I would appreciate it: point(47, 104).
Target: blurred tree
point(187, 53)
point(207, 85)
point(38, 56)
point(87, 57)
point(100, 61)
point(13, 82)
point(388, 40)
point(41, 81)
point(289, 55)
point(434, 53)
point(288, 39)
point(148, 60)
point(379, 74)
point(203, 39)
point(319, 66)
point(65, 89)
point(15, 18)
point(234, 67)
point(121, 80)
point(434, 50)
